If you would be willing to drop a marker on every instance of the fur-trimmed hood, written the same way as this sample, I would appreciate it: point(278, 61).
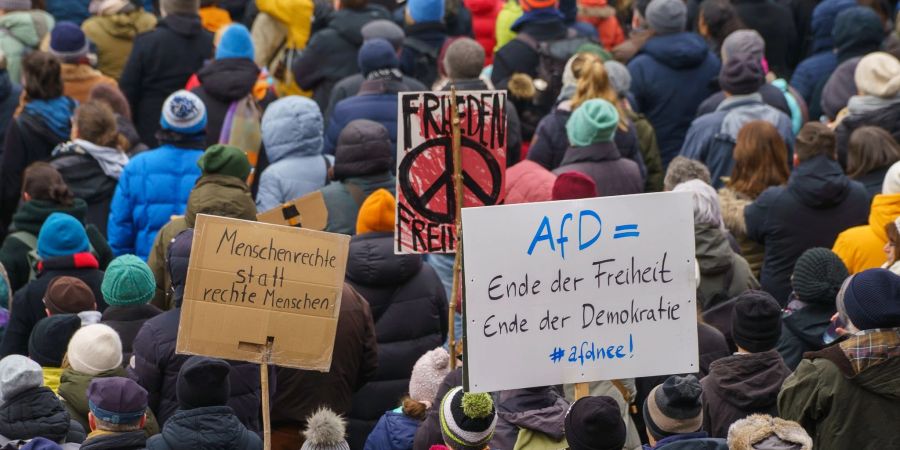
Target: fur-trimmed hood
point(732, 204)
point(764, 432)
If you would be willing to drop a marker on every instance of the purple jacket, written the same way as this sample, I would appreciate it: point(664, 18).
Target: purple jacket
point(613, 174)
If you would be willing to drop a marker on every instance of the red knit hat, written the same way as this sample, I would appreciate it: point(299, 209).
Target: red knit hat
point(528, 5)
point(573, 186)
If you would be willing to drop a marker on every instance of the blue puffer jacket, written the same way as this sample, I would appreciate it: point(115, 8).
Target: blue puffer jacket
point(154, 186)
point(670, 77)
point(69, 10)
point(212, 427)
point(376, 101)
point(394, 431)
point(292, 134)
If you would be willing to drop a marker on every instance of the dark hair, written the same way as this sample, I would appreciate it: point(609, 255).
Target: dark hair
point(97, 124)
point(416, 410)
point(354, 4)
point(760, 159)
point(814, 139)
point(720, 18)
point(870, 148)
point(113, 97)
point(43, 182)
point(42, 74)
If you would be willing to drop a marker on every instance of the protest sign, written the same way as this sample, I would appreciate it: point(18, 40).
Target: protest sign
point(251, 285)
point(307, 212)
point(579, 291)
point(426, 204)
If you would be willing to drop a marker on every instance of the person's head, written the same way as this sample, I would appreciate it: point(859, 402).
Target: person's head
point(183, 7)
point(818, 276)
point(384, 29)
point(41, 181)
point(748, 42)
point(203, 382)
point(95, 349)
point(857, 31)
point(814, 139)
point(742, 74)
point(706, 202)
point(117, 404)
point(128, 281)
point(225, 160)
point(95, 122)
point(760, 159)
point(325, 430)
point(595, 121)
point(673, 408)
point(68, 295)
point(427, 375)
point(7, 6)
point(666, 16)
point(363, 148)
point(376, 214)
point(464, 59)
point(683, 169)
point(41, 76)
point(61, 235)
point(573, 186)
point(870, 300)
point(69, 44)
point(377, 56)
point(758, 431)
point(619, 77)
point(184, 113)
point(878, 75)
point(235, 43)
point(50, 337)
point(18, 374)
point(595, 423)
point(577, 65)
point(421, 11)
point(892, 231)
point(594, 83)
point(717, 20)
point(112, 97)
point(638, 20)
point(756, 322)
point(292, 125)
point(870, 148)
point(177, 258)
point(467, 420)
point(111, 7)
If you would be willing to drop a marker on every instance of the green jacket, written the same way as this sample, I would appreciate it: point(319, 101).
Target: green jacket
point(22, 34)
point(649, 151)
point(847, 396)
point(508, 15)
point(114, 37)
point(343, 203)
point(72, 392)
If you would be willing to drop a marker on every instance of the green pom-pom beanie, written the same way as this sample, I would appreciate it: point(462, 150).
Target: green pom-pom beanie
point(592, 122)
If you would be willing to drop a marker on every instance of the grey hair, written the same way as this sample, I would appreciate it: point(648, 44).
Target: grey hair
point(706, 202)
point(682, 169)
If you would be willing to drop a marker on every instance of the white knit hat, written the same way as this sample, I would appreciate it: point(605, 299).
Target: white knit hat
point(427, 375)
point(878, 74)
point(95, 349)
point(891, 184)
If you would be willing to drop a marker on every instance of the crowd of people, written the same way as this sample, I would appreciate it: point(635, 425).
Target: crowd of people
point(122, 120)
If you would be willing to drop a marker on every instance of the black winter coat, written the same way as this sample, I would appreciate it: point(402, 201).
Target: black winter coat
point(887, 118)
point(349, 87)
point(775, 22)
point(161, 62)
point(803, 331)
point(817, 204)
point(212, 427)
point(517, 57)
point(127, 321)
point(37, 412)
point(130, 440)
point(88, 182)
point(222, 82)
point(409, 306)
point(431, 35)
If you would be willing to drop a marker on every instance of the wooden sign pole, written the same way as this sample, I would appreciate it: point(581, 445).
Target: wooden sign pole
point(458, 192)
point(582, 390)
point(264, 392)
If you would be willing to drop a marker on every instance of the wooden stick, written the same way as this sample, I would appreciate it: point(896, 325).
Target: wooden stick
point(458, 192)
point(264, 388)
point(582, 390)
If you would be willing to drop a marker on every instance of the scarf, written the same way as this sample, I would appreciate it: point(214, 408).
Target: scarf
point(111, 160)
point(56, 114)
point(864, 104)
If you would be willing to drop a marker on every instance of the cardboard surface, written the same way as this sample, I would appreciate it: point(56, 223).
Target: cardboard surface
point(579, 291)
point(249, 281)
point(305, 212)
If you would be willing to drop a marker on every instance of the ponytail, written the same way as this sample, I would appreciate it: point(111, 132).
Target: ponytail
point(42, 181)
point(593, 82)
point(415, 409)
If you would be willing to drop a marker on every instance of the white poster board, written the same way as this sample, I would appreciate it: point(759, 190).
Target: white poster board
point(579, 291)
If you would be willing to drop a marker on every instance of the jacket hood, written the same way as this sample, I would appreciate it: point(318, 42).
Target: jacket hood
point(229, 79)
point(32, 214)
point(292, 126)
point(810, 323)
point(220, 195)
point(822, 24)
point(885, 208)
point(537, 409)
point(28, 27)
point(183, 25)
point(35, 412)
point(73, 387)
point(221, 429)
point(873, 361)
point(748, 381)
point(372, 261)
point(714, 254)
point(819, 183)
point(678, 51)
point(127, 25)
point(349, 22)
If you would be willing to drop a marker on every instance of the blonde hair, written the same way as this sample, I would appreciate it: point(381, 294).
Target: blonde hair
point(593, 82)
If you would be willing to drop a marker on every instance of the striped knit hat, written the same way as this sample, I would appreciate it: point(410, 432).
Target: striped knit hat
point(467, 420)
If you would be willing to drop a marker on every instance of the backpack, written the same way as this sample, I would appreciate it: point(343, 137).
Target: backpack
point(241, 128)
point(425, 66)
point(30, 241)
point(552, 59)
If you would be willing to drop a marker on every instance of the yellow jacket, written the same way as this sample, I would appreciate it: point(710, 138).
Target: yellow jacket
point(51, 378)
point(296, 15)
point(862, 247)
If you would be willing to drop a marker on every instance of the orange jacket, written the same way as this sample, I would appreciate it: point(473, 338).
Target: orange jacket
point(862, 247)
point(603, 17)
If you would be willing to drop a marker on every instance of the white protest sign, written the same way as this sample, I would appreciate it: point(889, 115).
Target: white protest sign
point(579, 291)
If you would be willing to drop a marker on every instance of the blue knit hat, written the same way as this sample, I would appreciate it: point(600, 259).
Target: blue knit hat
point(377, 54)
point(61, 235)
point(872, 300)
point(425, 10)
point(235, 43)
point(184, 113)
point(68, 43)
point(128, 281)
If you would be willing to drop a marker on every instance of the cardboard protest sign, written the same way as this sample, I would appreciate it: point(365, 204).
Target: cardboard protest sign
point(426, 204)
point(251, 282)
point(579, 291)
point(307, 212)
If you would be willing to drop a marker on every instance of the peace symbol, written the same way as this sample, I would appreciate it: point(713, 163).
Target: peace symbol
point(419, 202)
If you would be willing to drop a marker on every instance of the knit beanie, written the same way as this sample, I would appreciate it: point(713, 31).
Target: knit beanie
point(595, 423)
point(818, 276)
point(531, 5)
point(619, 77)
point(376, 214)
point(666, 16)
point(363, 148)
point(183, 112)
point(872, 300)
point(235, 43)
point(756, 321)
point(61, 235)
point(225, 160)
point(189, 7)
point(68, 295)
point(117, 400)
point(464, 59)
point(128, 281)
point(18, 374)
point(376, 54)
point(891, 183)
point(742, 74)
point(203, 382)
point(748, 42)
point(40, 443)
point(94, 349)
point(384, 29)
point(467, 420)
point(50, 337)
point(594, 121)
point(674, 407)
point(574, 186)
point(425, 10)
point(325, 430)
point(428, 374)
point(878, 74)
point(15, 5)
point(762, 431)
point(68, 43)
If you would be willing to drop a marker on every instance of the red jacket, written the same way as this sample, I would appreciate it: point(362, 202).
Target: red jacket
point(484, 18)
point(603, 17)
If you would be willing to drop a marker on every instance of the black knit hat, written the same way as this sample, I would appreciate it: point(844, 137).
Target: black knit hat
point(50, 339)
point(818, 276)
point(742, 74)
point(674, 407)
point(756, 321)
point(595, 423)
point(467, 420)
point(363, 148)
point(872, 300)
point(203, 382)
